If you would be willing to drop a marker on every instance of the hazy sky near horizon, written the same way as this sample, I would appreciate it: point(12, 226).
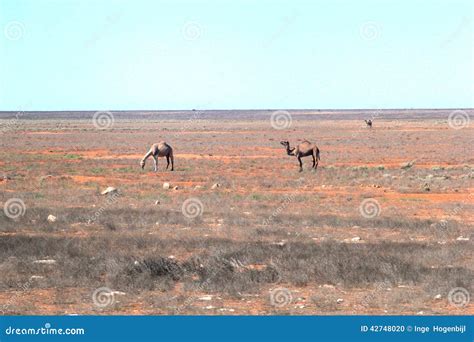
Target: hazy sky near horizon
point(235, 54)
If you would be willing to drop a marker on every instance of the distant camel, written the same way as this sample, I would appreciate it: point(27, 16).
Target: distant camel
point(162, 149)
point(369, 123)
point(303, 150)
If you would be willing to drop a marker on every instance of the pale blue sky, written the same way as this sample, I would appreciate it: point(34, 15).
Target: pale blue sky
point(111, 54)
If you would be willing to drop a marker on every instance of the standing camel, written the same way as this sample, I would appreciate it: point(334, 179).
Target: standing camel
point(303, 150)
point(162, 149)
point(369, 123)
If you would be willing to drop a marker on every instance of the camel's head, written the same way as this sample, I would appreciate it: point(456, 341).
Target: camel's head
point(289, 150)
point(142, 164)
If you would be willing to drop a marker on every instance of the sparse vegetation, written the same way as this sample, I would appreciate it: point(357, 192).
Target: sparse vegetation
point(72, 156)
point(265, 226)
point(98, 170)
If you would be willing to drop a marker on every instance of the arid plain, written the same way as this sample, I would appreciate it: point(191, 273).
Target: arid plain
point(384, 226)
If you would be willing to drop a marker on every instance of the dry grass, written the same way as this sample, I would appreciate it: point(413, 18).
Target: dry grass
point(233, 251)
point(132, 263)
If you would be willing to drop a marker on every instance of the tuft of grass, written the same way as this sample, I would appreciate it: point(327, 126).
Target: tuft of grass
point(256, 197)
point(359, 168)
point(98, 170)
point(127, 169)
point(73, 156)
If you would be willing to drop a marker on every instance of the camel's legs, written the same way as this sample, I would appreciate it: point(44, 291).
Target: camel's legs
point(301, 163)
point(168, 161)
point(315, 159)
point(155, 161)
point(172, 161)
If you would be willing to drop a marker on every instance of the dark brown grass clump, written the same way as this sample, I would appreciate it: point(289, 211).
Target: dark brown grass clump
point(228, 266)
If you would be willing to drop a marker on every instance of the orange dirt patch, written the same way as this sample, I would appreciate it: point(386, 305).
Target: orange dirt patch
point(94, 153)
point(47, 133)
point(258, 179)
point(395, 164)
point(101, 180)
point(431, 197)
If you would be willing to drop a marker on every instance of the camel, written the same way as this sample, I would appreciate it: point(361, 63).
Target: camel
point(303, 150)
point(369, 123)
point(162, 149)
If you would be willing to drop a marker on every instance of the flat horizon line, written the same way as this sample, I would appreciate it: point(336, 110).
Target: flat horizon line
point(227, 110)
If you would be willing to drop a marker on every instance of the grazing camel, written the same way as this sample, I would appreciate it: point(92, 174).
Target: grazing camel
point(303, 150)
point(369, 123)
point(162, 149)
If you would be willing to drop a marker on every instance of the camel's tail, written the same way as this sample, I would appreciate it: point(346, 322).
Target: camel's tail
point(317, 154)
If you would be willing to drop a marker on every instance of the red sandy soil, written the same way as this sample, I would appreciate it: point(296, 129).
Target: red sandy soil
point(250, 158)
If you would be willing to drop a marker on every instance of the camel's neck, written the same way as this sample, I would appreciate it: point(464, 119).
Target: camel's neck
point(289, 150)
point(146, 156)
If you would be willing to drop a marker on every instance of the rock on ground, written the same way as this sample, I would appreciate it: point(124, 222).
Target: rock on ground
point(109, 190)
